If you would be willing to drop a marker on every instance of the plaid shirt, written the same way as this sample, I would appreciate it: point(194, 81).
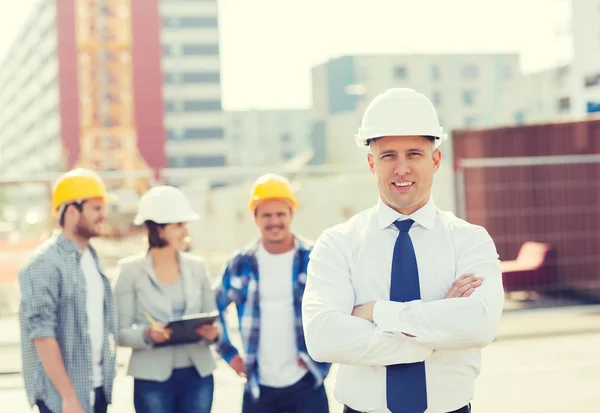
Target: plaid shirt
point(53, 304)
point(239, 285)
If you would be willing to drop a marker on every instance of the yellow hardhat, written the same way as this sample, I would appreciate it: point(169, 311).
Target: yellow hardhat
point(271, 186)
point(78, 185)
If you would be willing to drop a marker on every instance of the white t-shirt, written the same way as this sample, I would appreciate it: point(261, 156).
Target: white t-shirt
point(277, 351)
point(95, 311)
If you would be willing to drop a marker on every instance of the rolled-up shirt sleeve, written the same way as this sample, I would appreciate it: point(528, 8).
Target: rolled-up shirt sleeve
point(39, 284)
point(332, 334)
point(457, 322)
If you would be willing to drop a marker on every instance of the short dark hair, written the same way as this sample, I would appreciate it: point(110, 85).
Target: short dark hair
point(63, 211)
point(370, 141)
point(154, 238)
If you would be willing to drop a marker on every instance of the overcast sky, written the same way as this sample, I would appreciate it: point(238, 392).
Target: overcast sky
point(269, 46)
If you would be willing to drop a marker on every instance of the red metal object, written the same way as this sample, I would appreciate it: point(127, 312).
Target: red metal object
point(134, 98)
point(548, 202)
point(534, 269)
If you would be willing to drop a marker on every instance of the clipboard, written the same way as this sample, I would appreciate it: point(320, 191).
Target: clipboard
point(184, 328)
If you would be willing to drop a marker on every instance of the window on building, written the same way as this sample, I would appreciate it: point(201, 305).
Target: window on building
point(170, 22)
point(470, 72)
point(170, 78)
point(285, 137)
point(172, 50)
point(206, 161)
point(183, 22)
point(195, 133)
point(199, 22)
point(437, 98)
point(435, 72)
point(592, 80)
point(469, 97)
point(201, 105)
point(400, 73)
point(199, 161)
point(564, 104)
point(561, 75)
point(176, 162)
point(170, 106)
point(507, 72)
point(519, 117)
point(199, 77)
point(200, 49)
point(470, 121)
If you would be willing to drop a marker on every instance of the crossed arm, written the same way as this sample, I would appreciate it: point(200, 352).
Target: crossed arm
point(384, 332)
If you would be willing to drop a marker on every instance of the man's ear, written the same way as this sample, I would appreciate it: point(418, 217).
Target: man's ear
point(371, 163)
point(437, 159)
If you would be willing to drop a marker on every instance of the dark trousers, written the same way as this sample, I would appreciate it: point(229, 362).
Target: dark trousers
point(184, 392)
point(301, 397)
point(466, 409)
point(100, 404)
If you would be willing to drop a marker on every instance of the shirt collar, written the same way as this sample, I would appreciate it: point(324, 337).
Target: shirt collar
point(69, 246)
point(424, 216)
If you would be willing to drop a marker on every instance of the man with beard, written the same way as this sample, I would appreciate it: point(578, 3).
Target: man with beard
point(266, 282)
point(67, 312)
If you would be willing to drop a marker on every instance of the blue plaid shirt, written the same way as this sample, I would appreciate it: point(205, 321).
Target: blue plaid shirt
point(239, 285)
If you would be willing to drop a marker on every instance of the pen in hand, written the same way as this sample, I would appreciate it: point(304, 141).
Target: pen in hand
point(155, 324)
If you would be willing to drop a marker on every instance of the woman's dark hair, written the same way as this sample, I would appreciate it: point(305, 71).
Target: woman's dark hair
point(154, 239)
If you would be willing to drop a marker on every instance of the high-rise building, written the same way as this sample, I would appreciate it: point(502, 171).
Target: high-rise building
point(112, 85)
point(194, 120)
point(81, 86)
point(465, 89)
point(266, 137)
point(585, 29)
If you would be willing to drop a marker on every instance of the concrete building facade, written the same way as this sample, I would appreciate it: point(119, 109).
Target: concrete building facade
point(194, 119)
point(467, 91)
point(162, 92)
point(266, 137)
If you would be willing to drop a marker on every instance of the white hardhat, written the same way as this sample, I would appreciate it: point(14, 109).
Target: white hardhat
point(164, 205)
point(400, 112)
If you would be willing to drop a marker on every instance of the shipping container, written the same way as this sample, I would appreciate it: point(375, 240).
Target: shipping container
point(536, 183)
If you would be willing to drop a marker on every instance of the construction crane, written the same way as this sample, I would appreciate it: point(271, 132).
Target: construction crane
point(108, 137)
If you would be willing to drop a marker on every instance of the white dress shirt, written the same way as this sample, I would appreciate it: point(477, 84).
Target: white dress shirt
point(351, 265)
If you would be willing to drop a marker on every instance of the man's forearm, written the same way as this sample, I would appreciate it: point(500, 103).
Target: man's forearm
point(334, 337)
point(442, 324)
point(52, 360)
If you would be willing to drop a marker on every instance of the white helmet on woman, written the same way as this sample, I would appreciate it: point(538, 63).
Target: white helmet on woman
point(164, 205)
point(400, 112)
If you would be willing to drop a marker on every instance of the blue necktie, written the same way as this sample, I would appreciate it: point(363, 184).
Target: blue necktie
point(406, 385)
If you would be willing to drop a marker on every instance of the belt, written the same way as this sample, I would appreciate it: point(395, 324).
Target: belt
point(465, 409)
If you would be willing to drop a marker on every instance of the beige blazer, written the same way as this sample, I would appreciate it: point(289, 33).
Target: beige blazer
point(137, 290)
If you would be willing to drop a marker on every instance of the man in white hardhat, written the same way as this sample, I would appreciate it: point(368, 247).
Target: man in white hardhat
point(403, 296)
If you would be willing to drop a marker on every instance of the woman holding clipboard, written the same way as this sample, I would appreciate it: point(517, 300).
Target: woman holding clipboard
point(157, 286)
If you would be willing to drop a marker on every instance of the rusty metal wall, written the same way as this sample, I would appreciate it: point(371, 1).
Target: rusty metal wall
point(557, 204)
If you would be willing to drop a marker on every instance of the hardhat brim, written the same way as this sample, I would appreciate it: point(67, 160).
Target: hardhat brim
point(140, 220)
point(108, 198)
